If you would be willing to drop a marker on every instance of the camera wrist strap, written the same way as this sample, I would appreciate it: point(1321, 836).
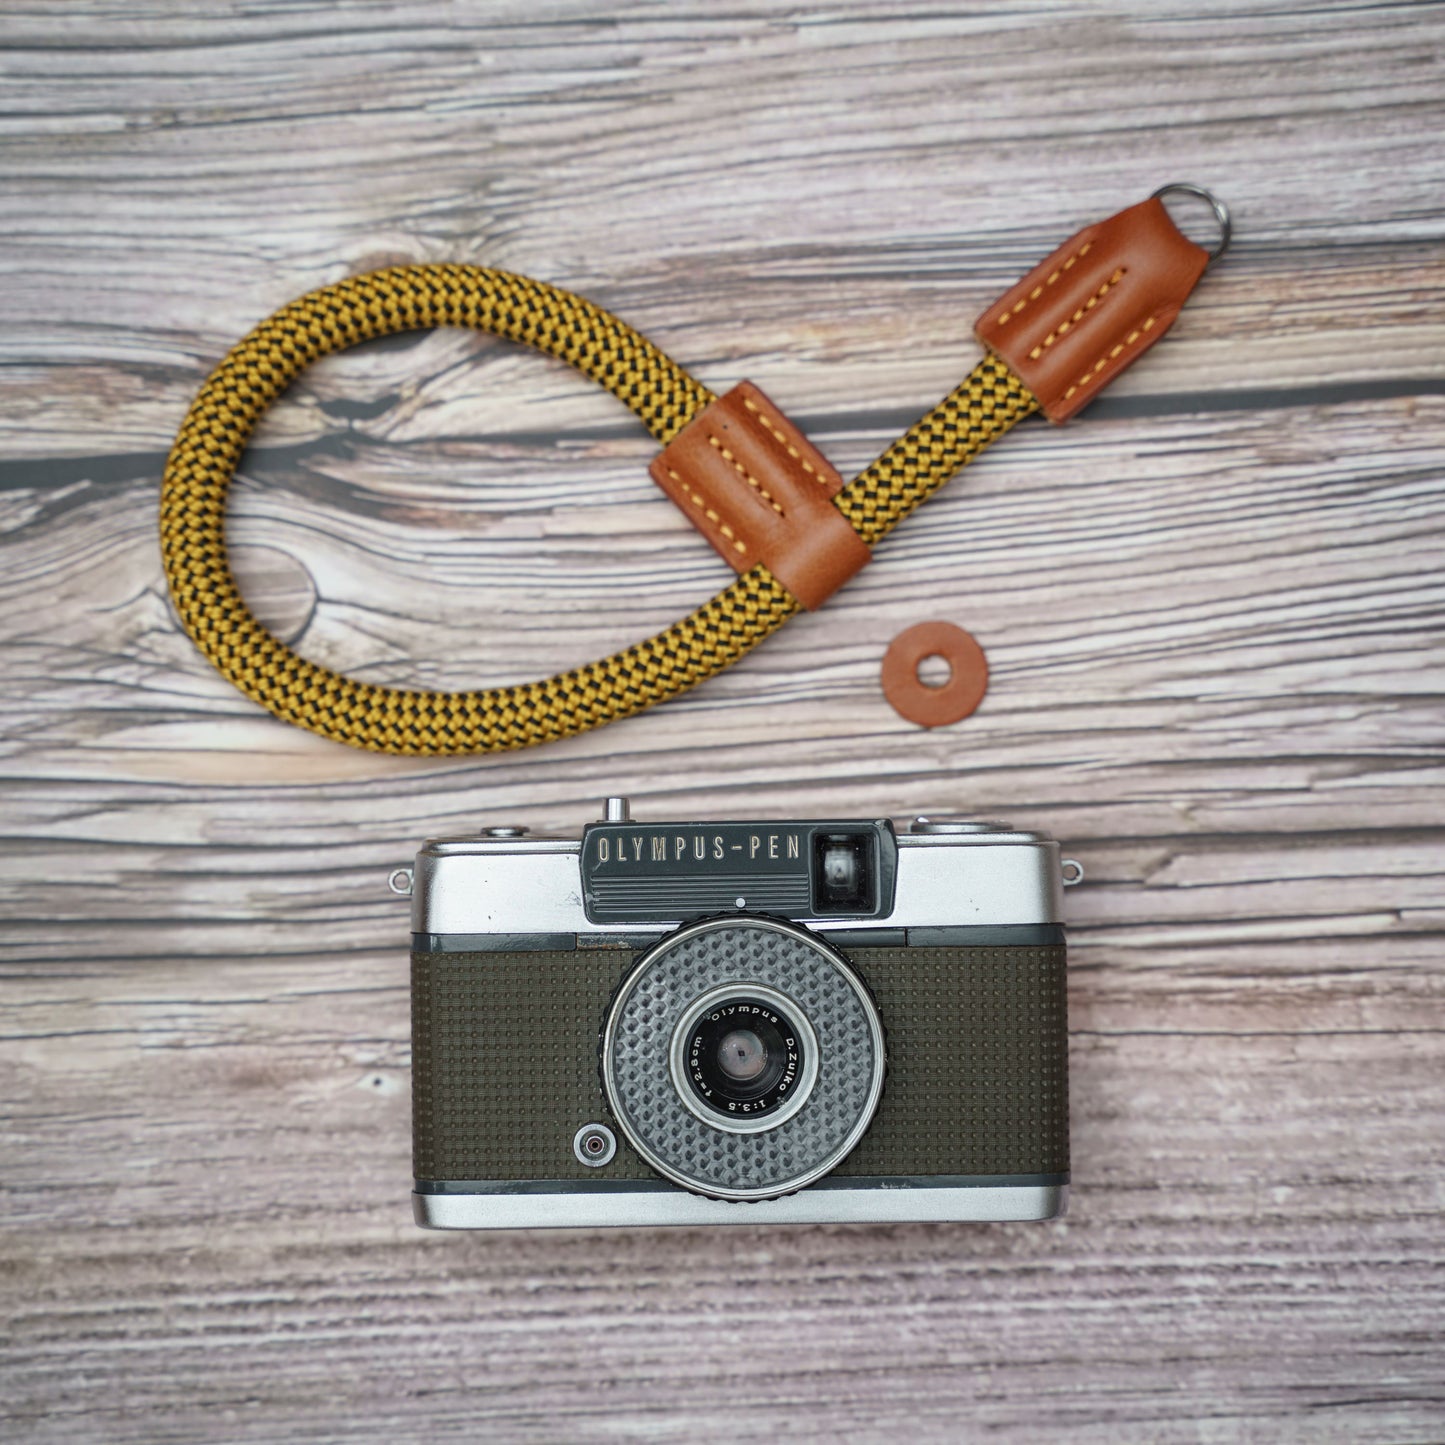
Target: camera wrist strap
point(1052, 342)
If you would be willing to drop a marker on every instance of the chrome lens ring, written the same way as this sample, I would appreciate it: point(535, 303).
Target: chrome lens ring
point(740, 1120)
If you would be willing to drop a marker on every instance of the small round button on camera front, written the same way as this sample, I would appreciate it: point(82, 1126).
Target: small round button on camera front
point(616, 810)
point(594, 1145)
point(505, 830)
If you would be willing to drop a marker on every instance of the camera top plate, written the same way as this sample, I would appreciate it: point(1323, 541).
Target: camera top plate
point(940, 873)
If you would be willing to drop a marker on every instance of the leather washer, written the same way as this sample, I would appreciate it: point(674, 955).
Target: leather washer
point(933, 707)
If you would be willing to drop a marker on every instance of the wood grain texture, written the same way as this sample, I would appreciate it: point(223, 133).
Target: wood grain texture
point(1212, 606)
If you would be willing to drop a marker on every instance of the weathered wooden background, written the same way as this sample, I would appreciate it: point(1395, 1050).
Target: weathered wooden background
point(1213, 608)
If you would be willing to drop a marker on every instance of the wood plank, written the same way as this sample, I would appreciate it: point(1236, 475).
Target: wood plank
point(1212, 607)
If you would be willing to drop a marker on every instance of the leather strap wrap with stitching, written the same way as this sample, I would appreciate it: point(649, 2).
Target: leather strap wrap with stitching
point(1095, 306)
point(215, 432)
point(760, 491)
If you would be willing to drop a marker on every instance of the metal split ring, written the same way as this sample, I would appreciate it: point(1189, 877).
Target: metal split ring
point(1221, 211)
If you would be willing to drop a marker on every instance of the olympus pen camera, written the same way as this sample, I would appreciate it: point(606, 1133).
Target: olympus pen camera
point(685, 1023)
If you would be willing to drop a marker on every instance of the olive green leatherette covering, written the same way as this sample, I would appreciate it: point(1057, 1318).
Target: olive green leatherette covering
point(504, 1063)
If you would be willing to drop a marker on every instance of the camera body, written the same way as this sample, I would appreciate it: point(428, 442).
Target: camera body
point(806, 1021)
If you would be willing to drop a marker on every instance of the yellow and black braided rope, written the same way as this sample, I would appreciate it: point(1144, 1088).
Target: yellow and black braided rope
point(225, 412)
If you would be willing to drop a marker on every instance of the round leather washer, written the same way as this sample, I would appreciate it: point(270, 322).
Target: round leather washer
point(934, 707)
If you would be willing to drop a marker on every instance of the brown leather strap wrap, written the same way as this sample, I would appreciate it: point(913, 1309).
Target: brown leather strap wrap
point(1095, 306)
point(759, 491)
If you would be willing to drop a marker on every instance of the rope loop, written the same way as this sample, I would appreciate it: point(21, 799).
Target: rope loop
point(221, 420)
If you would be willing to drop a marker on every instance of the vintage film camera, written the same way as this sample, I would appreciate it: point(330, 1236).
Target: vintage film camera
point(787, 1021)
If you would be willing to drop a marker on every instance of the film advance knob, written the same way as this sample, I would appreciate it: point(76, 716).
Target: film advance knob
point(956, 825)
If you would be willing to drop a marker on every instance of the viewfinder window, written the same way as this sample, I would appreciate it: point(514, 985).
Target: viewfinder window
point(844, 875)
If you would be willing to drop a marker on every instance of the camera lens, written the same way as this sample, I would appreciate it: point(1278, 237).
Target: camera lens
point(742, 1056)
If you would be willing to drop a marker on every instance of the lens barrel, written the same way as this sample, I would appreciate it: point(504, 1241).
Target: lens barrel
point(742, 1057)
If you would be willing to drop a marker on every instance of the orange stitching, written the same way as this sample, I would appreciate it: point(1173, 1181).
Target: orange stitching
point(1088, 305)
point(712, 516)
point(791, 450)
point(1039, 290)
point(746, 475)
point(1109, 356)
